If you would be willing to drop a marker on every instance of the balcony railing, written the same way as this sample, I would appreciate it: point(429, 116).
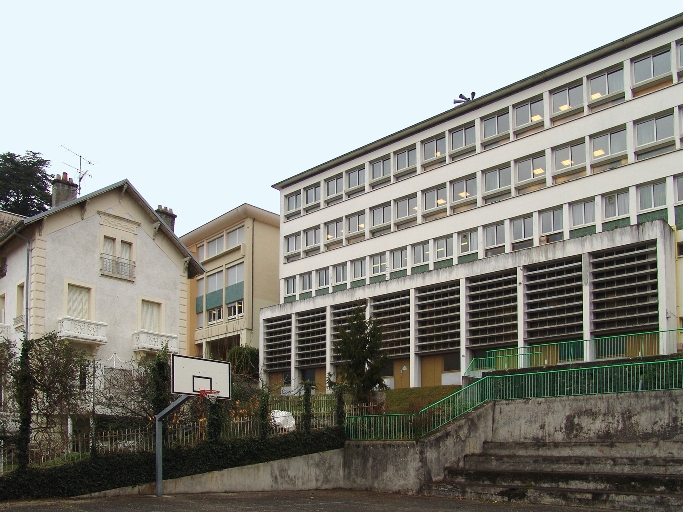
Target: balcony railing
point(19, 322)
point(82, 331)
point(147, 341)
point(4, 331)
point(117, 267)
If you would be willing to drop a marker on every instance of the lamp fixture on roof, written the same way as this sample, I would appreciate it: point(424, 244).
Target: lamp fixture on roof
point(464, 99)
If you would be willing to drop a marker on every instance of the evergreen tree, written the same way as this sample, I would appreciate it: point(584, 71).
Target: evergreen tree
point(24, 183)
point(359, 347)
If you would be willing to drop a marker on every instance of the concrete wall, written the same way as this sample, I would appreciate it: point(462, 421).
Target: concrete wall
point(651, 417)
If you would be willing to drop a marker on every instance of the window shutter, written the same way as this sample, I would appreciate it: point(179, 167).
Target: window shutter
point(78, 298)
point(150, 316)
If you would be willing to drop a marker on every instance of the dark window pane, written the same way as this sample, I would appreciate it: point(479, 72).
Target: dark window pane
point(528, 226)
point(376, 170)
point(412, 157)
point(615, 80)
point(490, 127)
point(576, 96)
point(579, 154)
point(469, 135)
point(557, 220)
point(500, 234)
point(503, 123)
point(522, 115)
point(472, 186)
point(559, 101)
point(601, 146)
point(517, 229)
point(402, 160)
point(617, 141)
point(457, 139)
point(645, 132)
point(537, 111)
point(661, 64)
point(642, 70)
point(665, 127)
point(491, 180)
point(598, 87)
point(538, 165)
point(562, 158)
point(524, 170)
point(386, 167)
point(441, 146)
point(504, 177)
point(430, 149)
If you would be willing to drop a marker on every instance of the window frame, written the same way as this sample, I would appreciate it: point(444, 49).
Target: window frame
point(306, 282)
point(497, 117)
point(651, 57)
point(338, 230)
point(237, 270)
point(468, 233)
point(533, 174)
point(651, 188)
point(297, 201)
point(361, 267)
point(239, 309)
point(357, 217)
point(424, 254)
point(584, 209)
point(465, 146)
point(344, 268)
point(437, 154)
point(656, 139)
point(316, 236)
point(569, 107)
point(610, 152)
point(297, 243)
point(360, 173)
point(554, 229)
point(409, 200)
point(384, 208)
point(435, 191)
point(497, 171)
point(385, 165)
point(615, 195)
point(526, 222)
point(239, 235)
point(378, 263)
point(316, 194)
point(572, 161)
point(597, 96)
point(220, 237)
point(338, 181)
point(468, 195)
point(528, 104)
point(214, 315)
point(290, 285)
point(403, 255)
point(410, 153)
point(448, 248)
point(322, 272)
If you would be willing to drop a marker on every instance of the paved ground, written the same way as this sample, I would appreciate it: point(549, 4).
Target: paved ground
point(305, 501)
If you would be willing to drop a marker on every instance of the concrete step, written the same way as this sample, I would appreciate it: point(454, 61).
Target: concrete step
point(572, 464)
point(609, 500)
point(669, 448)
point(628, 483)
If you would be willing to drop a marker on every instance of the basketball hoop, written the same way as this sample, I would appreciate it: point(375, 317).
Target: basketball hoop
point(210, 394)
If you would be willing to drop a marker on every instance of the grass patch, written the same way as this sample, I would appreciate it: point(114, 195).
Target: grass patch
point(407, 400)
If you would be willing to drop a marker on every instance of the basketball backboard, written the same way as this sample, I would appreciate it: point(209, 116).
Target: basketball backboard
point(190, 375)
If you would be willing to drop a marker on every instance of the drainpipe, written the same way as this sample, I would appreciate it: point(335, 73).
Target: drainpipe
point(27, 286)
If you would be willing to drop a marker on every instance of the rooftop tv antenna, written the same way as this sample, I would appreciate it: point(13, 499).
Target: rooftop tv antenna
point(81, 173)
point(464, 99)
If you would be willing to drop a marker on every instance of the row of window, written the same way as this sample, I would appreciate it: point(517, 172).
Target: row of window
point(550, 225)
point(218, 244)
point(463, 139)
point(570, 156)
point(217, 280)
point(215, 315)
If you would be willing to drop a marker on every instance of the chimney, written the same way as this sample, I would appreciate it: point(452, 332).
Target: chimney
point(63, 189)
point(167, 216)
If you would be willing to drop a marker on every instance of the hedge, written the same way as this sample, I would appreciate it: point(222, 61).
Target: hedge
point(123, 470)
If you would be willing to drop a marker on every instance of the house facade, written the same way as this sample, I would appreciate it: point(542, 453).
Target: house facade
point(531, 221)
point(103, 270)
point(239, 251)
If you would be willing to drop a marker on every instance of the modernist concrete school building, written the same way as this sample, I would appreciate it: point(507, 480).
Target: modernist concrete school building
point(105, 271)
point(542, 212)
point(239, 253)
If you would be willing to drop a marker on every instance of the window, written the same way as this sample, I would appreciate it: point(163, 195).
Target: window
point(655, 129)
point(108, 246)
point(469, 241)
point(235, 237)
point(381, 215)
point(529, 113)
point(462, 137)
point(435, 148)
point(358, 268)
point(312, 236)
point(605, 84)
point(334, 229)
point(293, 243)
point(551, 221)
point(405, 159)
point(323, 277)
point(150, 314)
point(290, 285)
point(570, 156)
point(567, 98)
point(435, 198)
point(404, 207)
point(313, 194)
point(465, 188)
point(235, 309)
point(306, 282)
point(421, 253)
point(616, 205)
point(381, 168)
point(293, 201)
point(214, 315)
point(214, 247)
point(235, 274)
point(583, 213)
point(498, 178)
point(340, 273)
point(78, 301)
point(494, 235)
point(399, 258)
point(496, 125)
point(444, 247)
point(531, 168)
point(652, 195)
point(609, 144)
point(200, 252)
point(652, 66)
point(334, 186)
point(679, 187)
point(200, 320)
point(522, 228)
point(200, 287)
point(214, 282)
point(356, 178)
point(379, 263)
point(126, 250)
point(356, 222)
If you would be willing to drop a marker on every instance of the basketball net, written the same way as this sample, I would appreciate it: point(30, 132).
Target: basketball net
point(210, 394)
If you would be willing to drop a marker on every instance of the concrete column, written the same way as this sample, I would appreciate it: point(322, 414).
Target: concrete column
point(628, 94)
point(537, 228)
point(415, 369)
point(674, 62)
point(670, 182)
point(480, 188)
point(521, 317)
point(633, 204)
point(465, 357)
point(548, 160)
point(546, 115)
point(666, 274)
point(292, 364)
point(565, 221)
point(588, 347)
point(481, 242)
point(432, 253)
point(677, 125)
point(328, 341)
point(599, 212)
point(508, 235)
point(630, 142)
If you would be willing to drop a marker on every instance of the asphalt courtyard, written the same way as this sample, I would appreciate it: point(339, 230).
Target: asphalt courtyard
point(305, 501)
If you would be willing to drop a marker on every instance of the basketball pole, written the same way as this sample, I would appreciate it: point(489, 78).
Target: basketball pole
point(160, 439)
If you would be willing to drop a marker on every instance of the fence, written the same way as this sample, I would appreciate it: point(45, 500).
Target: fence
point(566, 352)
point(623, 378)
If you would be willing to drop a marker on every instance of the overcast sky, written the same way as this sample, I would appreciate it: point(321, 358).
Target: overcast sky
point(203, 105)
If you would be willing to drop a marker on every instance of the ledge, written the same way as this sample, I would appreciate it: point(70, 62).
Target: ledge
point(419, 269)
point(496, 138)
point(667, 77)
point(405, 170)
point(569, 170)
point(379, 181)
point(463, 150)
point(443, 263)
point(529, 126)
point(604, 160)
point(540, 178)
point(358, 283)
point(645, 148)
point(617, 223)
point(466, 258)
point(355, 191)
point(404, 220)
point(566, 113)
point(398, 273)
point(606, 99)
point(223, 253)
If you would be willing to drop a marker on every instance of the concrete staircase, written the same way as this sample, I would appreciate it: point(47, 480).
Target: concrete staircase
point(607, 475)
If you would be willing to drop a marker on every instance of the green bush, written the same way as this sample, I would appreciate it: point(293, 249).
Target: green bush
point(123, 470)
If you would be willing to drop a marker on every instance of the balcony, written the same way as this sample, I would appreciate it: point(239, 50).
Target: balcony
point(117, 267)
point(4, 331)
point(82, 331)
point(147, 341)
point(19, 322)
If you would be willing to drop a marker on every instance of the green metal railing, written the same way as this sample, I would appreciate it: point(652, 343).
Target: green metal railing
point(549, 354)
point(597, 380)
